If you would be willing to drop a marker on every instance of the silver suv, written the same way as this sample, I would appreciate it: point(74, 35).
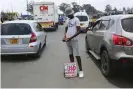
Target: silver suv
point(111, 41)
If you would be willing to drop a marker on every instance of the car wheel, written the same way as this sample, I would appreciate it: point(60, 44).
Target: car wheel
point(106, 64)
point(38, 52)
point(56, 27)
point(86, 45)
point(45, 41)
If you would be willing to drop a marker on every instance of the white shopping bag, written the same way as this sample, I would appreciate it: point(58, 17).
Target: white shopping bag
point(70, 69)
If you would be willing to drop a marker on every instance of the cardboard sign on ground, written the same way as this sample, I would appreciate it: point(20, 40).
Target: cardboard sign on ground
point(70, 69)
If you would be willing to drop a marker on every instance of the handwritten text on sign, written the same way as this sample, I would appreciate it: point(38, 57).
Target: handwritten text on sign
point(70, 70)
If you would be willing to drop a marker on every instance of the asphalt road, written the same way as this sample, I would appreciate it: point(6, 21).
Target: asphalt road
point(47, 71)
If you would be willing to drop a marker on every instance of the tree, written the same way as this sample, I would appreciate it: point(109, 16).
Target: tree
point(74, 3)
point(128, 10)
point(132, 10)
point(76, 7)
point(89, 9)
point(63, 6)
point(124, 10)
point(115, 9)
point(81, 8)
point(4, 16)
point(30, 7)
point(108, 9)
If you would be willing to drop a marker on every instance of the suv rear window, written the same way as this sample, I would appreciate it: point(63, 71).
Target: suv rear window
point(15, 29)
point(127, 24)
point(82, 18)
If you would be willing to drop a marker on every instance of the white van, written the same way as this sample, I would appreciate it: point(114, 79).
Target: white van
point(84, 19)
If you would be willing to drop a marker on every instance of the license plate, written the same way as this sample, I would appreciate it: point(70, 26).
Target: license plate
point(46, 24)
point(13, 41)
point(70, 70)
point(81, 24)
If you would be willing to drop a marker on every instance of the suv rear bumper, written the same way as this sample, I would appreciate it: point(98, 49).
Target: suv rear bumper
point(124, 62)
point(121, 58)
point(119, 55)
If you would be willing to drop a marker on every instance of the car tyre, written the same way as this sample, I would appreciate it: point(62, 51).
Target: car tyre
point(107, 67)
point(45, 41)
point(38, 54)
point(56, 27)
point(62, 23)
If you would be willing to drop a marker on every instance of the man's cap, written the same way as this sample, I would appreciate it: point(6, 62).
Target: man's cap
point(69, 11)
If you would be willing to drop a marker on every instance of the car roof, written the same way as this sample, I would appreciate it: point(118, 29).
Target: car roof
point(117, 16)
point(20, 21)
point(80, 13)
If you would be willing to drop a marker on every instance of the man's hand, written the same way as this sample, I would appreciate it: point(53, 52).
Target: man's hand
point(87, 29)
point(65, 39)
point(68, 39)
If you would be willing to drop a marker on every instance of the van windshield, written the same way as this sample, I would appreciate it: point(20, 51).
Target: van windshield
point(127, 24)
point(15, 29)
point(82, 18)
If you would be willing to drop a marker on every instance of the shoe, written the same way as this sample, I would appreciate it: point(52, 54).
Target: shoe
point(81, 74)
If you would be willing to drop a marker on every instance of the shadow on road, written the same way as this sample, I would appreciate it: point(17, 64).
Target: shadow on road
point(20, 58)
point(50, 30)
point(123, 78)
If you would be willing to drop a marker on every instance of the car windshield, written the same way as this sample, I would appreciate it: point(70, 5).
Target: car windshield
point(15, 29)
point(127, 24)
point(82, 18)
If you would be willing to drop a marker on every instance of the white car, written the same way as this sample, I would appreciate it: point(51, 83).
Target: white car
point(22, 37)
point(84, 19)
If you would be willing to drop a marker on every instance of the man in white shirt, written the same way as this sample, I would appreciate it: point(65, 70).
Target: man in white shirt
point(71, 38)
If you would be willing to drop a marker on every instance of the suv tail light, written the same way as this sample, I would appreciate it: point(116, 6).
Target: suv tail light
point(119, 40)
point(33, 38)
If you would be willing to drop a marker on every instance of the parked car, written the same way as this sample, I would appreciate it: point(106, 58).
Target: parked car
point(22, 37)
point(111, 41)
